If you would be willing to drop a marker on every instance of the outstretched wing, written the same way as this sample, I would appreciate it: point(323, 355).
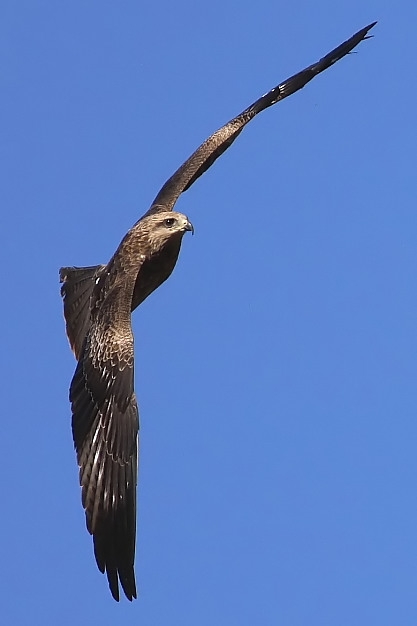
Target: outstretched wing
point(105, 424)
point(215, 145)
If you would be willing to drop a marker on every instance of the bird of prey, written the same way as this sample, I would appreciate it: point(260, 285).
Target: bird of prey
point(98, 302)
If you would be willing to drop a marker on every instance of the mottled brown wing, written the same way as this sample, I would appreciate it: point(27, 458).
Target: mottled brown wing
point(215, 145)
point(77, 290)
point(105, 426)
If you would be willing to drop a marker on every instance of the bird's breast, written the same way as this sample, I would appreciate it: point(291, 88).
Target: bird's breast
point(153, 272)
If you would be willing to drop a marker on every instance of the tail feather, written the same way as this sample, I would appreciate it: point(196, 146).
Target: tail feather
point(76, 291)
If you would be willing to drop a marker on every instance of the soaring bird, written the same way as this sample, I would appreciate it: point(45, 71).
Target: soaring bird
point(98, 302)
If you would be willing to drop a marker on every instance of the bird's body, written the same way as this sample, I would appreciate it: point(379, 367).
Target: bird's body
point(105, 420)
point(98, 302)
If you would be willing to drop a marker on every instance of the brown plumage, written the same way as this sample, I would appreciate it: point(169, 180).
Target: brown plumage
point(98, 302)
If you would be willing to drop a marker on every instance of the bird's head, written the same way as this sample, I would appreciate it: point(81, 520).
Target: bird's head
point(164, 227)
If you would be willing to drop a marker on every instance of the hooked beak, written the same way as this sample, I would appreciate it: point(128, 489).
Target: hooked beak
point(189, 226)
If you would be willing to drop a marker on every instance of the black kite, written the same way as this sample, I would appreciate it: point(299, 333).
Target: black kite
point(98, 302)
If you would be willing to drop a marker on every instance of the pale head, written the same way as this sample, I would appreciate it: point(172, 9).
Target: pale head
point(164, 226)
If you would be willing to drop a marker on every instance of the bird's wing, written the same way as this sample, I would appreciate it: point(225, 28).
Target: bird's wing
point(105, 425)
point(76, 291)
point(217, 143)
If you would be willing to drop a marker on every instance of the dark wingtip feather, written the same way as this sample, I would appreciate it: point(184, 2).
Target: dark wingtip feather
point(363, 33)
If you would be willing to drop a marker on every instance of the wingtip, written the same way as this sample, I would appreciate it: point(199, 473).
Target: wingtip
point(368, 28)
point(361, 35)
point(129, 586)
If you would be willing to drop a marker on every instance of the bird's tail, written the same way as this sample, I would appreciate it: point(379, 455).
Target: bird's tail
point(77, 288)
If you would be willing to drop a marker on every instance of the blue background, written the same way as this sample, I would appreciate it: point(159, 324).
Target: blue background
point(276, 369)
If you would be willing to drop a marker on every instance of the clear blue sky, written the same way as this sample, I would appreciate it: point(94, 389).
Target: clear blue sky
point(276, 370)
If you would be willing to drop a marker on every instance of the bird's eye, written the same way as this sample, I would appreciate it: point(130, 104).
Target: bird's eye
point(170, 221)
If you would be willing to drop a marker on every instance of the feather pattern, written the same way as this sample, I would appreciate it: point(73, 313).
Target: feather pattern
point(105, 426)
point(98, 302)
